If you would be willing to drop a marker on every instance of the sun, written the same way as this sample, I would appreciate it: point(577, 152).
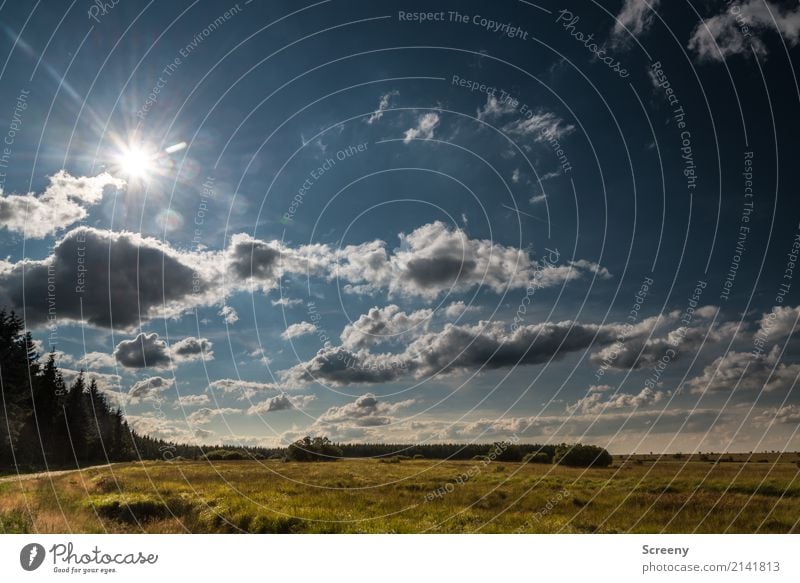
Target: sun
point(136, 162)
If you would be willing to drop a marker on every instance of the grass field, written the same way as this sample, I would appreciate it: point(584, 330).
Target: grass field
point(637, 494)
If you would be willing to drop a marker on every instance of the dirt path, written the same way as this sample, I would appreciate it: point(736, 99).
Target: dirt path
point(18, 477)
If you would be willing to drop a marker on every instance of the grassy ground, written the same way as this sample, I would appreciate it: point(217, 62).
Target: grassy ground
point(637, 494)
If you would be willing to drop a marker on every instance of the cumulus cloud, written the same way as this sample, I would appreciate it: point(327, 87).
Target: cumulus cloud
point(778, 323)
point(787, 414)
point(63, 203)
point(426, 124)
point(298, 329)
point(459, 308)
point(647, 342)
point(745, 371)
point(263, 263)
point(148, 389)
point(161, 427)
point(598, 400)
point(338, 366)
point(365, 411)
point(388, 324)
point(282, 402)
point(106, 278)
point(736, 30)
point(243, 390)
point(228, 314)
point(486, 345)
point(121, 280)
point(187, 401)
point(433, 259)
point(206, 415)
point(383, 105)
point(148, 350)
point(634, 18)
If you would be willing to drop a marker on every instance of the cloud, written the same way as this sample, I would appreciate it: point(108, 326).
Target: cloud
point(206, 415)
point(634, 18)
point(386, 324)
point(457, 309)
point(537, 198)
point(735, 31)
point(229, 315)
point(778, 323)
point(597, 401)
point(148, 389)
point(338, 366)
point(495, 108)
point(148, 350)
point(161, 427)
point(282, 402)
point(745, 371)
point(299, 329)
point(383, 105)
point(647, 342)
point(433, 259)
point(63, 203)
point(787, 414)
point(365, 411)
point(426, 124)
point(243, 390)
point(286, 302)
point(93, 360)
point(106, 278)
point(263, 263)
point(186, 401)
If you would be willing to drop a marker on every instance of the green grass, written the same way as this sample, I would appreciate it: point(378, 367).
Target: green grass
point(641, 494)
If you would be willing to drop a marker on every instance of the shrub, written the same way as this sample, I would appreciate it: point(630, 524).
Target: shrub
point(582, 456)
point(538, 457)
point(395, 459)
point(226, 454)
point(132, 507)
point(419, 456)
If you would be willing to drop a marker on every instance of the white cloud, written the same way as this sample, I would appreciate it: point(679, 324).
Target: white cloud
point(148, 389)
point(426, 125)
point(298, 329)
point(634, 18)
point(63, 203)
point(229, 315)
point(387, 324)
point(383, 105)
point(187, 401)
point(148, 350)
point(736, 30)
point(243, 390)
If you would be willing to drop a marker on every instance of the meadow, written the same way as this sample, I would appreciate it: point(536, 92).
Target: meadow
point(642, 494)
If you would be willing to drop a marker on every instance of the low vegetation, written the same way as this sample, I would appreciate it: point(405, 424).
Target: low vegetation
point(398, 494)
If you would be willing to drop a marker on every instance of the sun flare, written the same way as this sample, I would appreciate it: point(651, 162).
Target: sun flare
point(135, 162)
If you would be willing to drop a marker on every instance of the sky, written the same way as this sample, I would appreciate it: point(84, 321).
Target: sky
point(411, 222)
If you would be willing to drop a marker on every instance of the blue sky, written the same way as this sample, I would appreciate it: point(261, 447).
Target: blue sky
point(392, 222)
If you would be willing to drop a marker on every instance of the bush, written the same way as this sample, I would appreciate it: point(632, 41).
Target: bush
point(316, 449)
point(419, 456)
point(582, 456)
point(538, 457)
point(133, 507)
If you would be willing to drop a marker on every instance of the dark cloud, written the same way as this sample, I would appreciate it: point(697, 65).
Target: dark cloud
point(143, 351)
point(104, 278)
point(148, 350)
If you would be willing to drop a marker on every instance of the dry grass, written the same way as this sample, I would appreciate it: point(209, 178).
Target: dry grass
point(639, 495)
